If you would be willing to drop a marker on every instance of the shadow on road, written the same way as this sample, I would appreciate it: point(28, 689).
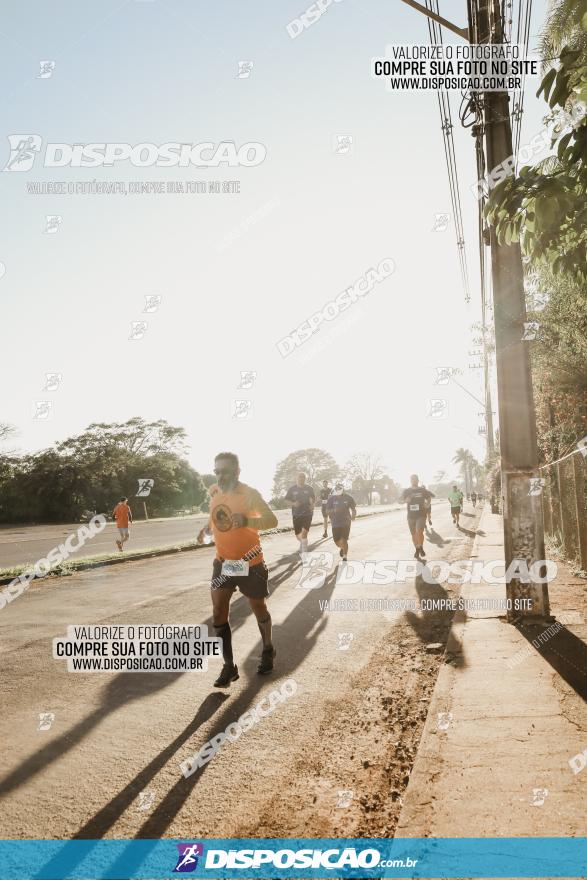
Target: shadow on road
point(299, 632)
point(435, 626)
point(122, 690)
point(472, 533)
point(103, 820)
point(433, 537)
point(125, 688)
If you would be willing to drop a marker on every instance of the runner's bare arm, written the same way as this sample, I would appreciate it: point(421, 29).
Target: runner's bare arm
point(260, 515)
point(203, 530)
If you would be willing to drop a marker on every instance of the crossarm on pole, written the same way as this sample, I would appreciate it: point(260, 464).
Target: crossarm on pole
point(462, 32)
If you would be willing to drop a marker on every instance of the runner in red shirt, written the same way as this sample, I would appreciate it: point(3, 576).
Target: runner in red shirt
point(123, 516)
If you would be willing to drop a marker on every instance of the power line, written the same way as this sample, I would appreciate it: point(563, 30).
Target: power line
point(524, 19)
point(435, 34)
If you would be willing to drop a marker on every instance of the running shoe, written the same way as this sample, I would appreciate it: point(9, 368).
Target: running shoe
point(229, 673)
point(266, 664)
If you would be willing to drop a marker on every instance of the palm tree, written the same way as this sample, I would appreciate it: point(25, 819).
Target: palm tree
point(465, 458)
point(478, 473)
point(563, 27)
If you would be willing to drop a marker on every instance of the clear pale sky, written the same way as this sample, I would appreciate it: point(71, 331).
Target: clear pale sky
point(157, 72)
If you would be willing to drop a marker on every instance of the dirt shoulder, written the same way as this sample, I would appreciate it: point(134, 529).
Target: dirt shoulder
point(351, 778)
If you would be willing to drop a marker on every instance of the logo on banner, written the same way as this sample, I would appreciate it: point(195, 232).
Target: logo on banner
point(189, 854)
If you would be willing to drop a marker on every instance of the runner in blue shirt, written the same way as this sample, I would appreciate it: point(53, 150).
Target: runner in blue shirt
point(417, 499)
point(341, 509)
point(302, 500)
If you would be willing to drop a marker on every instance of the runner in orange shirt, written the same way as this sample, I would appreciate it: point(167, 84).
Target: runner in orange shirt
point(123, 516)
point(237, 514)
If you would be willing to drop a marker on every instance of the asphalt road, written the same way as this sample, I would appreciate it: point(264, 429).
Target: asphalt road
point(26, 544)
point(117, 740)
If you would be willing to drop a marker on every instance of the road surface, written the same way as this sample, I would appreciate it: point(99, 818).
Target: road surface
point(20, 545)
point(117, 740)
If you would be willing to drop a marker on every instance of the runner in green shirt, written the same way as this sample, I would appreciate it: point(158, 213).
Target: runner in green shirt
point(455, 496)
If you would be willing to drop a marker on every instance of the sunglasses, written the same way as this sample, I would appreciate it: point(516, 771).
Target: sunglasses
point(221, 471)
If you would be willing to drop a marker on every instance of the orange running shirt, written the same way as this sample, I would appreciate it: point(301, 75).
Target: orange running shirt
point(235, 543)
point(121, 512)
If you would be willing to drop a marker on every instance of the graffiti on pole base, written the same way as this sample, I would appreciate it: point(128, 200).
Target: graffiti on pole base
point(537, 484)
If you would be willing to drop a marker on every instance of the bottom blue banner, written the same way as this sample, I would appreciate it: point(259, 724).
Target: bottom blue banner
point(299, 857)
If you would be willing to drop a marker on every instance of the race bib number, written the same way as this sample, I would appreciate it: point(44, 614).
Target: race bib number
point(235, 567)
point(415, 507)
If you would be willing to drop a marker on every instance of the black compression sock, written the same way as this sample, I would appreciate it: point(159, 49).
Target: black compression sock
point(266, 631)
point(224, 632)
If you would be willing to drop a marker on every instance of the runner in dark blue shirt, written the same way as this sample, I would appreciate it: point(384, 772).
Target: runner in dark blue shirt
point(302, 500)
point(341, 510)
point(417, 499)
point(325, 492)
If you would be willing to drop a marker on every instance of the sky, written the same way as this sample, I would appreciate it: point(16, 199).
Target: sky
point(236, 272)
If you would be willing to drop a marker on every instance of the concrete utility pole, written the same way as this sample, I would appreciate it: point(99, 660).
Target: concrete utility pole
point(522, 511)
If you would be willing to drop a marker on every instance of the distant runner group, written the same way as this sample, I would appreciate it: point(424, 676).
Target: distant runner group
point(337, 506)
point(238, 513)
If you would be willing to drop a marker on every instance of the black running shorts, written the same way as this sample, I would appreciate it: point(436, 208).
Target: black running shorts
point(455, 510)
point(417, 523)
point(253, 585)
point(302, 522)
point(341, 533)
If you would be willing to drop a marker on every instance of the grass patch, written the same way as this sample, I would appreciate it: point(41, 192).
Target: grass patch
point(67, 567)
point(554, 548)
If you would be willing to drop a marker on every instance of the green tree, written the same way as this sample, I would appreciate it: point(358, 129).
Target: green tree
point(544, 207)
point(92, 471)
point(559, 366)
point(563, 27)
point(317, 464)
point(135, 437)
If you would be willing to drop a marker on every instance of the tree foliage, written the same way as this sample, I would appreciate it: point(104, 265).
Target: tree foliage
point(317, 464)
point(544, 207)
point(564, 26)
point(364, 466)
point(559, 366)
point(92, 471)
point(473, 474)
